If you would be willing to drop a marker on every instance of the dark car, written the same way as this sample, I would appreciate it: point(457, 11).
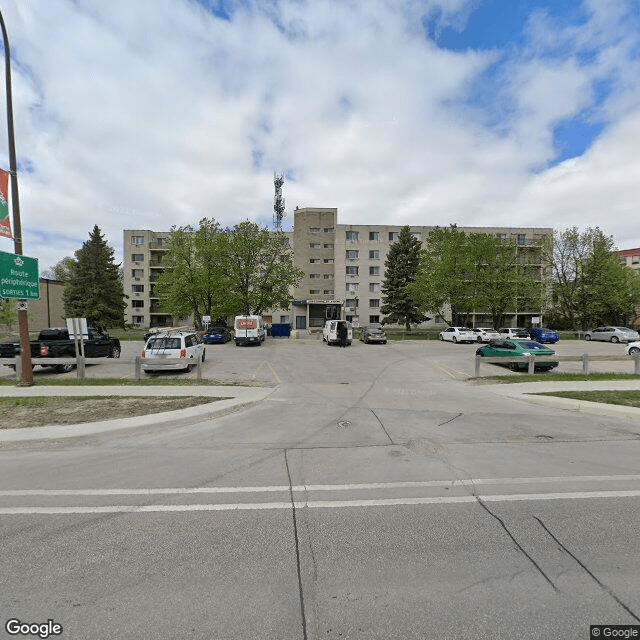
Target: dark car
point(217, 335)
point(373, 334)
point(540, 334)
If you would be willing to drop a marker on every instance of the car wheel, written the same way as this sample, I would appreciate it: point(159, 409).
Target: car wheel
point(479, 339)
point(454, 339)
point(384, 342)
point(65, 368)
point(115, 352)
point(514, 366)
point(441, 338)
point(587, 338)
point(615, 339)
point(634, 350)
point(189, 368)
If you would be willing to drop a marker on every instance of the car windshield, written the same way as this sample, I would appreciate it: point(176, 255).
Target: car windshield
point(217, 330)
point(532, 345)
point(163, 343)
point(374, 330)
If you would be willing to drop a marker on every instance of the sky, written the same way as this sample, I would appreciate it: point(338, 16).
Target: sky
point(153, 113)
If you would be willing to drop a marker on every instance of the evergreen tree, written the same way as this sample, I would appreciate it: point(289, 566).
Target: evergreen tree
point(93, 289)
point(400, 270)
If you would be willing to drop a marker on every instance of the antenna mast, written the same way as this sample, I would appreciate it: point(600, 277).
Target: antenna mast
point(278, 201)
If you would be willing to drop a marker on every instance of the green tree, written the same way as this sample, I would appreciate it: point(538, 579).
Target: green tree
point(590, 286)
point(400, 270)
point(443, 282)
point(61, 270)
point(220, 272)
point(93, 289)
point(8, 314)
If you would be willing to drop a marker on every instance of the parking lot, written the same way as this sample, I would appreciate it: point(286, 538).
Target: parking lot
point(281, 360)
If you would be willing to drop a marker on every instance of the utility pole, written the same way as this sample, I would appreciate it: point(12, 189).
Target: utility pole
point(23, 323)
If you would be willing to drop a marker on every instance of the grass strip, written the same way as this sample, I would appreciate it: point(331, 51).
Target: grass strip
point(124, 382)
point(625, 398)
point(546, 376)
point(43, 400)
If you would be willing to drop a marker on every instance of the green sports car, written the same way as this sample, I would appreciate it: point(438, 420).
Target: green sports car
point(507, 348)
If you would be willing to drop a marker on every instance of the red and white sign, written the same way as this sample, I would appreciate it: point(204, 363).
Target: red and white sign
point(5, 224)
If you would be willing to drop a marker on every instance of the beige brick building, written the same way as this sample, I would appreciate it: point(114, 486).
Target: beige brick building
point(343, 266)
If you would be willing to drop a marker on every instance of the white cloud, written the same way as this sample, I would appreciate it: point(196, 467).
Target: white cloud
point(152, 113)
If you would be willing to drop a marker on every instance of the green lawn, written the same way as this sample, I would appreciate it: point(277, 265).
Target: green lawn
point(548, 376)
point(626, 398)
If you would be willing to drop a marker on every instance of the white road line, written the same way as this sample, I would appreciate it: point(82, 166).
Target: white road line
point(335, 504)
point(318, 487)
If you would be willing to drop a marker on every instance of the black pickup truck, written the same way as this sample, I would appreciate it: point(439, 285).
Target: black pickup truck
point(55, 343)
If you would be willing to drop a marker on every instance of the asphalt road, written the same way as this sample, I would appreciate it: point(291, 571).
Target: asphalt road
point(375, 494)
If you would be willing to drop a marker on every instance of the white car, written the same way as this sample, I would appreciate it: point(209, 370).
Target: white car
point(632, 348)
point(458, 334)
point(185, 345)
point(486, 334)
point(330, 331)
point(514, 333)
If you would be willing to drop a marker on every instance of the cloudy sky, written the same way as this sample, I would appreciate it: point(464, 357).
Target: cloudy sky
point(146, 114)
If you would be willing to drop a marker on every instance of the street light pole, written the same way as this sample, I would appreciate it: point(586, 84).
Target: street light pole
point(23, 323)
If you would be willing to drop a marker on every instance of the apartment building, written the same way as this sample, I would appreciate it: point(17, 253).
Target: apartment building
point(630, 258)
point(343, 266)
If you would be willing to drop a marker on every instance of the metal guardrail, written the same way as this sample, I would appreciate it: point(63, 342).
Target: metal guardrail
point(585, 358)
point(79, 362)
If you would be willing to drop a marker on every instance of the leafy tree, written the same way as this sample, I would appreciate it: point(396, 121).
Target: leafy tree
point(61, 270)
point(443, 279)
point(220, 272)
point(8, 313)
point(400, 270)
point(590, 286)
point(93, 289)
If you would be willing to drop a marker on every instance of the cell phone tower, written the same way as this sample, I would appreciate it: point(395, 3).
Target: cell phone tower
point(278, 202)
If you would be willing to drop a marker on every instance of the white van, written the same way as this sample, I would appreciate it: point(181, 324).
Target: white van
point(330, 331)
point(249, 330)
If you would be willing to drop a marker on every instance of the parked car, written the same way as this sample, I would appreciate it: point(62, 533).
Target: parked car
point(540, 334)
point(514, 332)
point(217, 335)
point(486, 334)
point(330, 331)
point(632, 348)
point(513, 347)
point(373, 334)
point(458, 334)
point(185, 345)
point(612, 334)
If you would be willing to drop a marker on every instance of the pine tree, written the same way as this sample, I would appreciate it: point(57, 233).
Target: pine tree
point(94, 288)
point(401, 268)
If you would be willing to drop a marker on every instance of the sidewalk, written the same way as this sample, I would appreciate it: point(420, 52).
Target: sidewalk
point(239, 398)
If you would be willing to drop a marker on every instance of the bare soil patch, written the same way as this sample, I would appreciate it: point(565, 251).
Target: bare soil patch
point(92, 410)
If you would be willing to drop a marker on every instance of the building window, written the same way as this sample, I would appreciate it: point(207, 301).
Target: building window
point(284, 319)
point(502, 236)
point(137, 319)
point(374, 271)
point(352, 286)
point(314, 230)
point(314, 260)
point(328, 261)
point(439, 320)
point(374, 286)
point(351, 302)
point(328, 276)
point(374, 235)
point(417, 235)
point(635, 260)
point(315, 245)
point(314, 276)
point(374, 254)
point(374, 302)
point(352, 236)
point(137, 257)
point(328, 245)
point(328, 292)
point(393, 236)
point(137, 288)
point(352, 271)
point(137, 304)
point(522, 238)
point(623, 261)
point(374, 319)
point(314, 292)
point(352, 255)
point(137, 240)
point(137, 273)
point(328, 229)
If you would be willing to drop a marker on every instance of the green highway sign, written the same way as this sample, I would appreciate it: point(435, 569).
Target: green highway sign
point(19, 277)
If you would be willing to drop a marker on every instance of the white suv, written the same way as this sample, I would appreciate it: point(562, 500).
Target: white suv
point(172, 344)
